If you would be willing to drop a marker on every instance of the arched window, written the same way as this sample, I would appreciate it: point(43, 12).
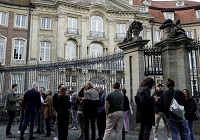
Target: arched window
point(70, 50)
point(96, 49)
point(2, 45)
point(18, 53)
point(45, 51)
point(97, 26)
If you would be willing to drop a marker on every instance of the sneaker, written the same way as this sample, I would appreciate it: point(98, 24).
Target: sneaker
point(55, 138)
point(10, 136)
point(74, 128)
point(25, 132)
point(18, 132)
point(169, 139)
point(155, 138)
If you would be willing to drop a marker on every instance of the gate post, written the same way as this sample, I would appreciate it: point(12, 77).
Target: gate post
point(133, 63)
point(175, 58)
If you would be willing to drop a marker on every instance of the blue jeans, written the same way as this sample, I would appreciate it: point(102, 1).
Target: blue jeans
point(74, 118)
point(190, 127)
point(29, 114)
point(178, 127)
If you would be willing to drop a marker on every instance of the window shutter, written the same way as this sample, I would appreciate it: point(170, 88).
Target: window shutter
point(48, 20)
point(47, 58)
point(75, 23)
point(23, 22)
point(70, 22)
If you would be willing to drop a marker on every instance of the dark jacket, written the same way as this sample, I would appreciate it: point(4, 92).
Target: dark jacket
point(190, 109)
point(167, 97)
point(11, 101)
point(73, 103)
point(32, 99)
point(146, 113)
point(158, 107)
point(80, 101)
point(55, 98)
point(62, 104)
point(126, 104)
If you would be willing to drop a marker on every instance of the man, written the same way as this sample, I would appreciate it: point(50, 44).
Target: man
point(40, 113)
point(159, 112)
point(32, 102)
point(114, 112)
point(176, 124)
point(11, 108)
point(55, 97)
point(101, 118)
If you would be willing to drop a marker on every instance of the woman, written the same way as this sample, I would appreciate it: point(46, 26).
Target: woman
point(48, 111)
point(147, 115)
point(190, 110)
point(62, 106)
point(90, 109)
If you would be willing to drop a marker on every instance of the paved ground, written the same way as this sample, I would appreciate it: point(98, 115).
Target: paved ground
point(75, 133)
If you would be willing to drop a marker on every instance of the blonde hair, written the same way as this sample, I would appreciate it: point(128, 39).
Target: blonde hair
point(89, 85)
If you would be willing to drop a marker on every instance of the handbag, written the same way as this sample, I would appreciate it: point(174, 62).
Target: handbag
point(176, 109)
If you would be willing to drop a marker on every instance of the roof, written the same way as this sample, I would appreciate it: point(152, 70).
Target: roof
point(16, 2)
point(186, 14)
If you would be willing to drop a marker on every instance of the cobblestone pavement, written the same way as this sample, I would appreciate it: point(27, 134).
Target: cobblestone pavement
point(73, 134)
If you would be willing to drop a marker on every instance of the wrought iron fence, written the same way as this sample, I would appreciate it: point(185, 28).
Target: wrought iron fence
point(72, 31)
point(152, 61)
point(101, 70)
point(97, 34)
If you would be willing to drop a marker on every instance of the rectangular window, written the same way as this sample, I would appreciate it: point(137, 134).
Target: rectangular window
point(20, 21)
point(44, 81)
point(157, 35)
point(18, 78)
point(46, 23)
point(3, 16)
point(45, 51)
point(72, 25)
point(18, 53)
point(169, 15)
point(121, 30)
point(189, 34)
point(198, 14)
point(2, 44)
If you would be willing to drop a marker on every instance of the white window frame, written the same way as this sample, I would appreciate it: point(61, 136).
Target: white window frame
point(2, 47)
point(98, 23)
point(73, 21)
point(121, 30)
point(43, 81)
point(96, 49)
point(169, 15)
point(44, 23)
point(198, 14)
point(189, 34)
point(21, 24)
point(47, 49)
point(3, 18)
point(157, 35)
point(18, 78)
point(71, 50)
point(20, 49)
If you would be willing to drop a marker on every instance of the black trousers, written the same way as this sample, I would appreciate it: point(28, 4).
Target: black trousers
point(101, 123)
point(48, 126)
point(63, 123)
point(11, 115)
point(145, 130)
point(89, 118)
point(21, 120)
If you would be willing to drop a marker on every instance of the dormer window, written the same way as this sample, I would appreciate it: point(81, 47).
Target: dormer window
point(169, 15)
point(180, 3)
point(198, 14)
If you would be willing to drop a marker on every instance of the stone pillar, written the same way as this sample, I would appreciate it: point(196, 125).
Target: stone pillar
point(175, 61)
point(111, 35)
point(84, 33)
point(61, 35)
point(34, 47)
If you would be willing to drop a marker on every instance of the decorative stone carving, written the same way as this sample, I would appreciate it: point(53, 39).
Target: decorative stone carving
point(133, 32)
point(60, 14)
point(172, 30)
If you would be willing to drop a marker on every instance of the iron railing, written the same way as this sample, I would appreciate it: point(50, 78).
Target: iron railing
point(97, 34)
point(72, 31)
point(102, 71)
point(120, 35)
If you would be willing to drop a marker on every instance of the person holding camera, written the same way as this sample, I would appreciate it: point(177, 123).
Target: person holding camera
point(159, 112)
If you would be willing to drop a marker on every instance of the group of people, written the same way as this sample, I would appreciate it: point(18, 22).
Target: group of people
point(151, 108)
point(90, 106)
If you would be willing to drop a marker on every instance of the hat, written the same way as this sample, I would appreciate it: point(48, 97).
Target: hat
point(160, 85)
